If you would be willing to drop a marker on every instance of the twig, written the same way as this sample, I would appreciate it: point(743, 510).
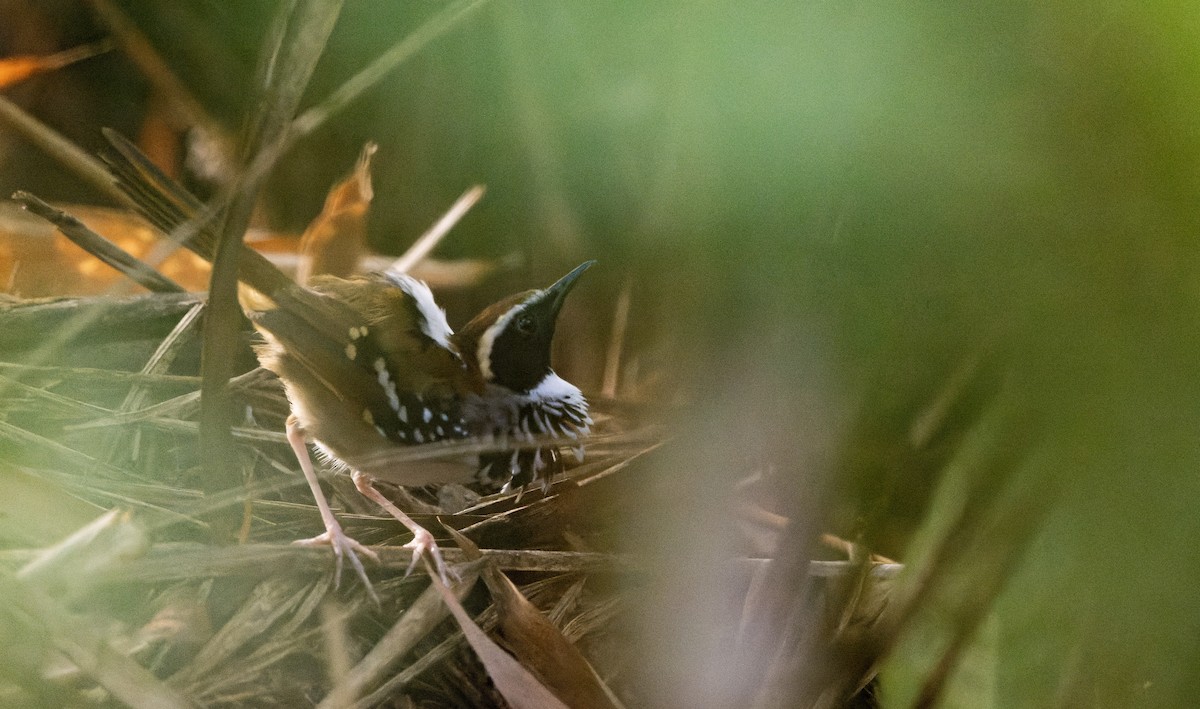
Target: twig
point(421, 617)
point(74, 158)
point(299, 34)
point(374, 72)
point(99, 247)
point(430, 239)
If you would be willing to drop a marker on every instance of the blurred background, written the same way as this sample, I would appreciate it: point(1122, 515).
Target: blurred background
point(925, 277)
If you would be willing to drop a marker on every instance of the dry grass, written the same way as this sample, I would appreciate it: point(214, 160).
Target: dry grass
point(763, 377)
point(200, 584)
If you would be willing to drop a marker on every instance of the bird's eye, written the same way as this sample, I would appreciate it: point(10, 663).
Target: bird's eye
point(524, 324)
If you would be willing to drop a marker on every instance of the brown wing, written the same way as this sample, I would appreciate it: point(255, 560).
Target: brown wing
point(339, 347)
point(398, 329)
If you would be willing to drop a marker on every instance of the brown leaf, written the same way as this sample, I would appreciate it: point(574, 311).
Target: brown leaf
point(14, 70)
point(538, 644)
point(337, 238)
point(520, 688)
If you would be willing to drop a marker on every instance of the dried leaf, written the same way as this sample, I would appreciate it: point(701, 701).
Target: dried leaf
point(520, 688)
point(537, 643)
point(337, 238)
point(14, 70)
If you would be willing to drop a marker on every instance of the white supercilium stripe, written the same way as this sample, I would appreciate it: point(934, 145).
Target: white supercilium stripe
point(483, 354)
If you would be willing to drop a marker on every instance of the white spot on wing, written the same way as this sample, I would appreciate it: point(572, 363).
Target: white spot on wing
point(386, 383)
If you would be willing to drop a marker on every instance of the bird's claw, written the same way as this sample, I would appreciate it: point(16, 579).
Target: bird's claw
point(423, 542)
point(344, 547)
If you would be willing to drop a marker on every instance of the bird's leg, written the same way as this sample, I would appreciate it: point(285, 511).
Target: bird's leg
point(343, 546)
point(422, 540)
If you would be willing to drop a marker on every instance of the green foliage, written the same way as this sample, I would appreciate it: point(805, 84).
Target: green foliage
point(927, 272)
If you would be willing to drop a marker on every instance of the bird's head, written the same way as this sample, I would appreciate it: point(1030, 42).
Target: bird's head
point(509, 343)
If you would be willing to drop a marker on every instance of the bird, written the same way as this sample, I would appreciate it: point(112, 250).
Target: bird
point(371, 367)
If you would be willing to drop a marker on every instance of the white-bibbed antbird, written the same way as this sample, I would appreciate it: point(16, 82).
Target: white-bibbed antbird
point(370, 364)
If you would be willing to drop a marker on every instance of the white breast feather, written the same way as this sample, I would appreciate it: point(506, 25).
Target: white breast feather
point(554, 388)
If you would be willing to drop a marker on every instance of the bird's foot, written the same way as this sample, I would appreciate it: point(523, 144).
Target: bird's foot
point(423, 542)
point(344, 547)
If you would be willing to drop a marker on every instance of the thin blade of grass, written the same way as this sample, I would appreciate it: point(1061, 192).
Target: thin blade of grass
point(419, 619)
point(428, 241)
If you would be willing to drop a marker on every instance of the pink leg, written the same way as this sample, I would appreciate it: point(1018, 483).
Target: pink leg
point(343, 546)
point(422, 539)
